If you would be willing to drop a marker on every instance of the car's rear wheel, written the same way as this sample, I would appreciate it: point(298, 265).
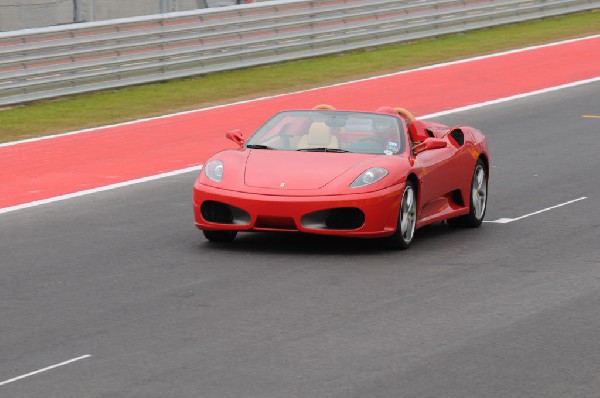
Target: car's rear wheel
point(220, 236)
point(407, 220)
point(478, 199)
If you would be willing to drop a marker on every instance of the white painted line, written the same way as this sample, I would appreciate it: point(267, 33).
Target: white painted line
point(193, 168)
point(95, 190)
point(511, 98)
point(509, 220)
point(440, 65)
point(44, 369)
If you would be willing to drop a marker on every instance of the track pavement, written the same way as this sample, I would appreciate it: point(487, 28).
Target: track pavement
point(507, 310)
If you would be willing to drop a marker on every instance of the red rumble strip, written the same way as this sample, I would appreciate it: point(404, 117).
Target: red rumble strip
point(32, 171)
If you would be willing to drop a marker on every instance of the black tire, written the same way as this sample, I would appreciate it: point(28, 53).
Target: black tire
point(407, 220)
point(220, 236)
point(477, 199)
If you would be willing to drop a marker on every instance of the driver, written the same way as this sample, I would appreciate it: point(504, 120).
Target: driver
point(386, 129)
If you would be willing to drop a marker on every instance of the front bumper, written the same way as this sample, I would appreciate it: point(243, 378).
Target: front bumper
point(304, 214)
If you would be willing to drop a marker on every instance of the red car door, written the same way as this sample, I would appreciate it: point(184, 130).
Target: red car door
point(442, 171)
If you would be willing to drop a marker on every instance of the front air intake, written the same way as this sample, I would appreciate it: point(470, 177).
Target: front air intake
point(222, 213)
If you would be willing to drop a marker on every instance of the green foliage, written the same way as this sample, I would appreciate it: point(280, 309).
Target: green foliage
point(114, 106)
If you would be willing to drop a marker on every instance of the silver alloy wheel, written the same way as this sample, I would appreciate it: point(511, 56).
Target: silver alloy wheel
point(479, 192)
point(408, 214)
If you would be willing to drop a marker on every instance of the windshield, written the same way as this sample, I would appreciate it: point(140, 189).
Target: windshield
point(330, 131)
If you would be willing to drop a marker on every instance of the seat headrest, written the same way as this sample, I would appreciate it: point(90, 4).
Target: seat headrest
point(319, 134)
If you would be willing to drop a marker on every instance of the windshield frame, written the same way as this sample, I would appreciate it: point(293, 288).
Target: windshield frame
point(352, 132)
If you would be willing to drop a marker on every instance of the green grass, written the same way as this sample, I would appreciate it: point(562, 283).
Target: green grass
point(114, 106)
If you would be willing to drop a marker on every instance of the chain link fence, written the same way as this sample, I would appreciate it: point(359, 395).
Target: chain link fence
point(25, 14)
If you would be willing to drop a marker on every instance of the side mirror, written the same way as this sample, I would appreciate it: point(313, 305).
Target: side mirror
point(430, 143)
point(235, 136)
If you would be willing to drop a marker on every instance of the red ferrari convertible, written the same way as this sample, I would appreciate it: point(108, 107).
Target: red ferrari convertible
point(379, 174)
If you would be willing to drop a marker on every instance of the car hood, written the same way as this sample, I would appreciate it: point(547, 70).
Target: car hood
point(297, 170)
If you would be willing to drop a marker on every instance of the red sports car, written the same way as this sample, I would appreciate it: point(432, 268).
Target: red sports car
point(379, 174)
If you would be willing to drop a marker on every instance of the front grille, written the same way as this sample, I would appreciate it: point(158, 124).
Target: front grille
point(267, 222)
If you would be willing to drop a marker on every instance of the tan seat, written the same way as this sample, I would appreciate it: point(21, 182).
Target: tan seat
point(319, 136)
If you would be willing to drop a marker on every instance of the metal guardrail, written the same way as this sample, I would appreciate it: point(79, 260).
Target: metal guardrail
point(57, 61)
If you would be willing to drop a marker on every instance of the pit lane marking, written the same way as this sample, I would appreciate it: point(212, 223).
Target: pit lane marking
point(194, 168)
point(510, 98)
point(100, 189)
point(35, 372)
point(509, 220)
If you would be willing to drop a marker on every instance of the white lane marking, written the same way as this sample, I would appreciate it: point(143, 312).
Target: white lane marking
point(189, 169)
point(511, 98)
point(440, 65)
point(44, 369)
point(186, 170)
point(509, 220)
point(100, 189)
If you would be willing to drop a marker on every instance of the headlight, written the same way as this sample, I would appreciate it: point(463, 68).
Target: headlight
point(369, 177)
point(214, 170)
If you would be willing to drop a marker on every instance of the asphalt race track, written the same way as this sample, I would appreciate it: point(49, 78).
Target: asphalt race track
point(507, 310)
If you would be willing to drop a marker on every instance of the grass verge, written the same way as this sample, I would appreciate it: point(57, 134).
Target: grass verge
point(114, 106)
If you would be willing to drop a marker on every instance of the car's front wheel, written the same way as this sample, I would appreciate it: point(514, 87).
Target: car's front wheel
point(220, 236)
point(407, 220)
